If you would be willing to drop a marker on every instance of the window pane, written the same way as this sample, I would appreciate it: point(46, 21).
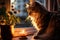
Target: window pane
point(43, 2)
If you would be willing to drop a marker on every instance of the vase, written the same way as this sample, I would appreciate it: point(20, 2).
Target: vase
point(6, 32)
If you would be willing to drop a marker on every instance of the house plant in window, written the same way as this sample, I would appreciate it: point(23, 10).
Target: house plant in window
point(7, 22)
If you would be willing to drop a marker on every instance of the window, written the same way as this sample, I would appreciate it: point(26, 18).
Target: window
point(43, 2)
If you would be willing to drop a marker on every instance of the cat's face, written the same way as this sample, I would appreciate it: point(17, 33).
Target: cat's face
point(33, 8)
point(29, 8)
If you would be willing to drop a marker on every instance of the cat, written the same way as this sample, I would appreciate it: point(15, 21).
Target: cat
point(44, 21)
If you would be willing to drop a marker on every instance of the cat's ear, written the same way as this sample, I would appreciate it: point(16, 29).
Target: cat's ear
point(31, 1)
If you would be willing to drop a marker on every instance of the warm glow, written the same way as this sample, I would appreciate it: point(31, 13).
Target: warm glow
point(27, 5)
point(34, 23)
point(23, 32)
point(12, 29)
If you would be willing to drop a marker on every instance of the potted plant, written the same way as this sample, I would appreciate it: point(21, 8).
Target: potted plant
point(7, 22)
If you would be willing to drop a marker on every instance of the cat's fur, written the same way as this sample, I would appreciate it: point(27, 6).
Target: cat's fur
point(44, 21)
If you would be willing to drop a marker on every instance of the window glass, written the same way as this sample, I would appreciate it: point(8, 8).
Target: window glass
point(43, 2)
